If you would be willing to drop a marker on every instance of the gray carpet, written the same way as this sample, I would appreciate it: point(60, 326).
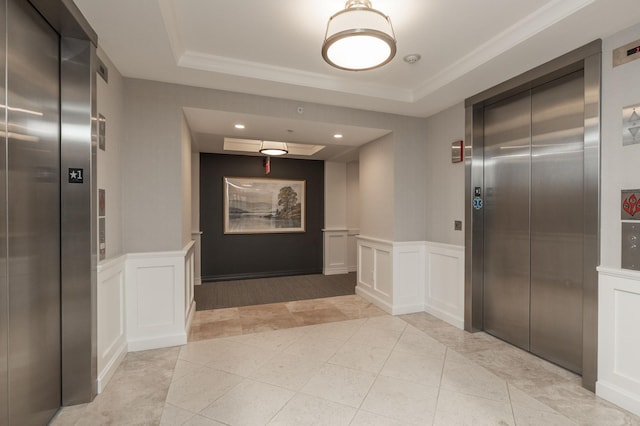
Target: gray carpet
point(260, 291)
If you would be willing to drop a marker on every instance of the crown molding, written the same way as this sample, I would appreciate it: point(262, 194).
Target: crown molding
point(517, 33)
point(533, 24)
point(260, 71)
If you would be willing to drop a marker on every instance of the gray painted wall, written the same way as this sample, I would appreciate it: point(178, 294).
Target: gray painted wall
point(377, 185)
point(110, 103)
point(445, 180)
point(353, 195)
point(185, 169)
point(151, 170)
point(153, 197)
point(620, 88)
point(335, 195)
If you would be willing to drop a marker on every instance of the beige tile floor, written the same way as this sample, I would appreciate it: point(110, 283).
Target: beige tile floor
point(339, 361)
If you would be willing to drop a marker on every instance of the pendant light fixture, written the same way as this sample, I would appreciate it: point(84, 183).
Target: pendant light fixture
point(359, 38)
point(273, 148)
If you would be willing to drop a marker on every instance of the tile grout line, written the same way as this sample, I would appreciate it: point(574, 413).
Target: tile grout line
point(513, 413)
point(383, 364)
point(435, 411)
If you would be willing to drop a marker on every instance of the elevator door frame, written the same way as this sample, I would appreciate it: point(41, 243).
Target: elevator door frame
point(587, 58)
point(78, 204)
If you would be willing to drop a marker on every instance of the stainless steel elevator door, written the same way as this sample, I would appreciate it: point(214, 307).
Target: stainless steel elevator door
point(533, 220)
point(507, 154)
point(33, 216)
point(557, 220)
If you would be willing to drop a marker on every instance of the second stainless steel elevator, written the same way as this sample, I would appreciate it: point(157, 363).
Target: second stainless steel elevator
point(532, 246)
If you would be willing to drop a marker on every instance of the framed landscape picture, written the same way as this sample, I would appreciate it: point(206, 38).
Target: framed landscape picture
point(260, 205)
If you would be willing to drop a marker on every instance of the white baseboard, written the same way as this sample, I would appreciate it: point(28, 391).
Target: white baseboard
point(371, 297)
point(335, 271)
point(445, 316)
point(158, 342)
point(407, 309)
point(107, 372)
point(621, 397)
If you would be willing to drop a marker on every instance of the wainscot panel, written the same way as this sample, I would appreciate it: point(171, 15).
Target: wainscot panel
point(391, 275)
point(618, 342)
point(445, 282)
point(159, 298)
point(408, 277)
point(335, 251)
point(112, 339)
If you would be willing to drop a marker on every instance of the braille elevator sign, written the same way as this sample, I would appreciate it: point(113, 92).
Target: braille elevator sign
point(76, 175)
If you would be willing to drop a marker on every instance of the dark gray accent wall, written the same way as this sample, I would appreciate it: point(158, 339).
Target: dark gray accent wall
point(235, 256)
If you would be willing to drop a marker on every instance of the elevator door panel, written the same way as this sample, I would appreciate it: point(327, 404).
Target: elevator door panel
point(533, 220)
point(557, 225)
point(33, 216)
point(4, 300)
point(506, 228)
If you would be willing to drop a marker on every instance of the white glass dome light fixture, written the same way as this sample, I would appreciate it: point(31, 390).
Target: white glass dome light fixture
point(273, 148)
point(359, 38)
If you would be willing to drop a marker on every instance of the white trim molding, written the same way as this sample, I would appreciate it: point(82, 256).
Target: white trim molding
point(196, 236)
point(335, 251)
point(352, 249)
point(444, 294)
point(112, 337)
point(618, 342)
point(159, 298)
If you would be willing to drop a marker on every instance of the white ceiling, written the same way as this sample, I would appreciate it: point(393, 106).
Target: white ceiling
point(271, 47)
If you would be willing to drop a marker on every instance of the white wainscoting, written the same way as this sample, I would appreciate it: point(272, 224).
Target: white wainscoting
point(112, 338)
point(391, 275)
point(408, 277)
point(159, 298)
point(352, 250)
point(415, 276)
point(444, 296)
point(335, 251)
point(619, 338)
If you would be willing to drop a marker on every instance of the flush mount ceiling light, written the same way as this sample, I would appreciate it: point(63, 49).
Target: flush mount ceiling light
point(273, 148)
point(359, 38)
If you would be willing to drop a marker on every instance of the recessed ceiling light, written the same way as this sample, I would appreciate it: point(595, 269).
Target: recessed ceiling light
point(338, 136)
point(239, 126)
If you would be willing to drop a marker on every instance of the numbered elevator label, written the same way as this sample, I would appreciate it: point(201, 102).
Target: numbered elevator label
point(76, 175)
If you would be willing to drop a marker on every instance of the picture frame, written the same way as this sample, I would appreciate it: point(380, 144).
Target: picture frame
point(263, 205)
